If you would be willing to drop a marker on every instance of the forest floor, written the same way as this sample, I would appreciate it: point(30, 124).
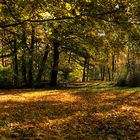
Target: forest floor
point(80, 112)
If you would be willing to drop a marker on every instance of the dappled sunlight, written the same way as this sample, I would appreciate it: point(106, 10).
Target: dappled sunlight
point(69, 114)
point(37, 95)
point(66, 119)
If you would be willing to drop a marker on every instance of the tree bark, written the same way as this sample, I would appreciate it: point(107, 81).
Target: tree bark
point(41, 70)
point(15, 62)
point(113, 66)
point(109, 76)
point(2, 58)
point(24, 45)
point(54, 72)
point(69, 60)
point(87, 70)
point(31, 50)
point(102, 72)
point(84, 70)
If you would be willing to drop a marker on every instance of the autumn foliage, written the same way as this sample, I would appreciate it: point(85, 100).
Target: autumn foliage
point(93, 113)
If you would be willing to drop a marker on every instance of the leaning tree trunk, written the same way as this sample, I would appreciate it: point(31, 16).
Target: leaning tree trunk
point(70, 55)
point(41, 69)
point(54, 72)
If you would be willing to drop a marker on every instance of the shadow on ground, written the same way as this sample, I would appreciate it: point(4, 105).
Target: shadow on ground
point(67, 114)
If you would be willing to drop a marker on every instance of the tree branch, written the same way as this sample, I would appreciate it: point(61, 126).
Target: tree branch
point(29, 20)
point(98, 16)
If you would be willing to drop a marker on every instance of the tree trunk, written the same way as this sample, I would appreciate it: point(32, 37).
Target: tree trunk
point(24, 45)
point(2, 58)
point(102, 72)
point(30, 66)
point(87, 70)
point(113, 66)
point(54, 72)
point(41, 70)
point(15, 62)
point(69, 57)
point(84, 70)
point(109, 76)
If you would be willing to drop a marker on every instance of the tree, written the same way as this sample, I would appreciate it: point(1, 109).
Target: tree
point(89, 30)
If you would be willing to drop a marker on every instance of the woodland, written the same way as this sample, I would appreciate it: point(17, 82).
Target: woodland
point(70, 69)
point(47, 41)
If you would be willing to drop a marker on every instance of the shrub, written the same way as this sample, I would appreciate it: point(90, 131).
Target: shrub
point(133, 79)
point(121, 81)
point(5, 78)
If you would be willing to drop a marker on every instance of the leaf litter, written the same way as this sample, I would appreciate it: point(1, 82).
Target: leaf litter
point(70, 114)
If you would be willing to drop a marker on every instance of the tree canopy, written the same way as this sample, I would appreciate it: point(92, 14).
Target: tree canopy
point(89, 38)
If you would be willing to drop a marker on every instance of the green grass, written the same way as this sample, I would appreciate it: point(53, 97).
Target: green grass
point(105, 87)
